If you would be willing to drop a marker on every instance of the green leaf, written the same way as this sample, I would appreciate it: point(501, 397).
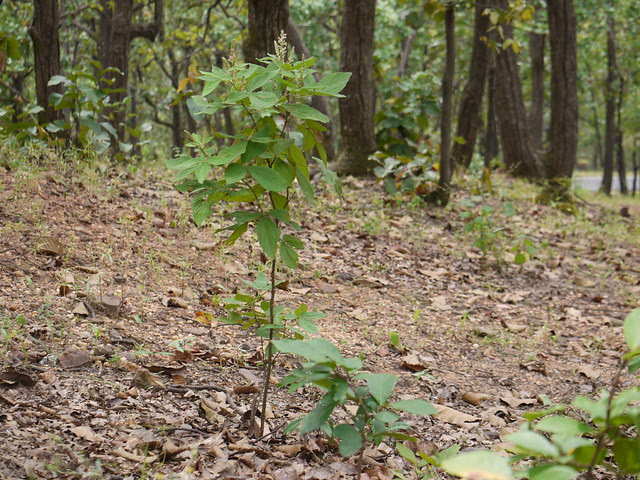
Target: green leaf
point(406, 453)
point(416, 406)
point(297, 158)
point(332, 84)
point(56, 80)
point(229, 154)
point(305, 112)
point(562, 424)
point(317, 349)
point(13, 48)
point(263, 100)
point(261, 79)
point(289, 255)
point(202, 172)
point(268, 235)
point(331, 178)
point(631, 329)
point(552, 472)
point(216, 73)
point(386, 416)
point(520, 259)
point(479, 464)
point(350, 439)
point(293, 242)
point(626, 454)
point(530, 443)
point(237, 233)
point(317, 417)
point(268, 178)
point(381, 386)
point(234, 173)
point(305, 186)
point(201, 210)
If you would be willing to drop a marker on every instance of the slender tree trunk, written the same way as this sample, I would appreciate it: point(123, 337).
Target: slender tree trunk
point(267, 19)
point(319, 102)
point(357, 108)
point(44, 32)
point(622, 170)
point(519, 156)
point(536, 113)
point(403, 61)
point(445, 172)
point(471, 103)
point(491, 144)
point(563, 134)
point(610, 108)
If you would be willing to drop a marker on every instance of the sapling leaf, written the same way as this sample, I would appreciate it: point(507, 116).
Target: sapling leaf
point(552, 472)
point(332, 84)
point(305, 112)
point(530, 443)
point(626, 454)
point(415, 406)
point(293, 242)
point(317, 417)
point(305, 186)
point(563, 425)
point(269, 178)
point(406, 453)
point(237, 233)
point(289, 255)
point(631, 329)
point(331, 178)
point(380, 386)
point(478, 464)
point(350, 439)
point(262, 100)
point(268, 236)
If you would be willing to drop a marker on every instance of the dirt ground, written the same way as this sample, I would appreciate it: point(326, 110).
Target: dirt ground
point(111, 370)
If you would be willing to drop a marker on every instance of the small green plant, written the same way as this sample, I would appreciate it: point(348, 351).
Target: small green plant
point(425, 466)
point(257, 169)
point(344, 382)
point(410, 175)
point(554, 444)
point(482, 225)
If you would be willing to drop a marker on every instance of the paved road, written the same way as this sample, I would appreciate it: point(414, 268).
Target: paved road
point(592, 183)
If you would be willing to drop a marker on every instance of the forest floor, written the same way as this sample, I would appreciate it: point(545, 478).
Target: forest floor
point(105, 284)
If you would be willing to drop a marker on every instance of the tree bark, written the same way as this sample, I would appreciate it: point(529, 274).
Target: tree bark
point(491, 144)
point(116, 32)
point(536, 113)
point(357, 108)
point(622, 170)
point(563, 132)
point(267, 19)
point(519, 156)
point(471, 103)
point(610, 108)
point(444, 181)
point(44, 32)
point(319, 102)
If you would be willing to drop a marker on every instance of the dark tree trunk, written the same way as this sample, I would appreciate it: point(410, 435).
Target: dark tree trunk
point(519, 156)
point(319, 102)
point(563, 132)
point(622, 170)
point(44, 32)
point(267, 19)
point(491, 144)
point(471, 103)
point(444, 182)
point(357, 108)
point(610, 108)
point(116, 32)
point(536, 114)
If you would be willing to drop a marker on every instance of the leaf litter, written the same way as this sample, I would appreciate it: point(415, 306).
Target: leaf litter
point(118, 378)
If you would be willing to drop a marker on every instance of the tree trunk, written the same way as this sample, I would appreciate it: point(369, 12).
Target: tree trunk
point(563, 132)
point(622, 170)
point(320, 103)
point(267, 19)
point(444, 182)
point(610, 109)
point(44, 32)
point(519, 156)
point(114, 44)
point(471, 103)
point(357, 108)
point(536, 113)
point(491, 144)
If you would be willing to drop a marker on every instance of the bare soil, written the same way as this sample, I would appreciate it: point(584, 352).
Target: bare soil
point(112, 370)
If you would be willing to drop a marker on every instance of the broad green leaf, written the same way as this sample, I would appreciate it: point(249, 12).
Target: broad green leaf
point(406, 453)
point(289, 255)
point(350, 439)
point(331, 178)
point(268, 178)
point(531, 443)
point(237, 233)
point(626, 451)
point(305, 112)
point(297, 158)
point(562, 424)
point(235, 97)
point(308, 325)
point(263, 100)
point(316, 349)
point(261, 79)
point(201, 210)
point(386, 416)
point(305, 186)
point(479, 464)
point(293, 242)
point(210, 86)
point(234, 173)
point(253, 150)
point(381, 386)
point(229, 154)
point(332, 84)
point(216, 73)
point(552, 472)
point(56, 80)
point(416, 406)
point(317, 417)
point(202, 171)
point(13, 48)
point(631, 329)
point(268, 235)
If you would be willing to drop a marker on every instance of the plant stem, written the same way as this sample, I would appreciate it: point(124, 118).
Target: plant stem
point(269, 359)
point(601, 438)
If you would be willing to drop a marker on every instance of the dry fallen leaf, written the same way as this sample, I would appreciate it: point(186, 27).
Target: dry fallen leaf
point(455, 417)
point(289, 450)
point(589, 372)
point(475, 398)
point(74, 358)
point(583, 282)
point(51, 246)
point(143, 378)
point(87, 433)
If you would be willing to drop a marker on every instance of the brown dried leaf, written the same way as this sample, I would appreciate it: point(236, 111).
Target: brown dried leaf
point(51, 246)
point(455, 417)
point(589, 372)
point(12, 377)
point(74, 358)
point(289, 450)
point(475, 398)
point(87, 433)
point(143, 378)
